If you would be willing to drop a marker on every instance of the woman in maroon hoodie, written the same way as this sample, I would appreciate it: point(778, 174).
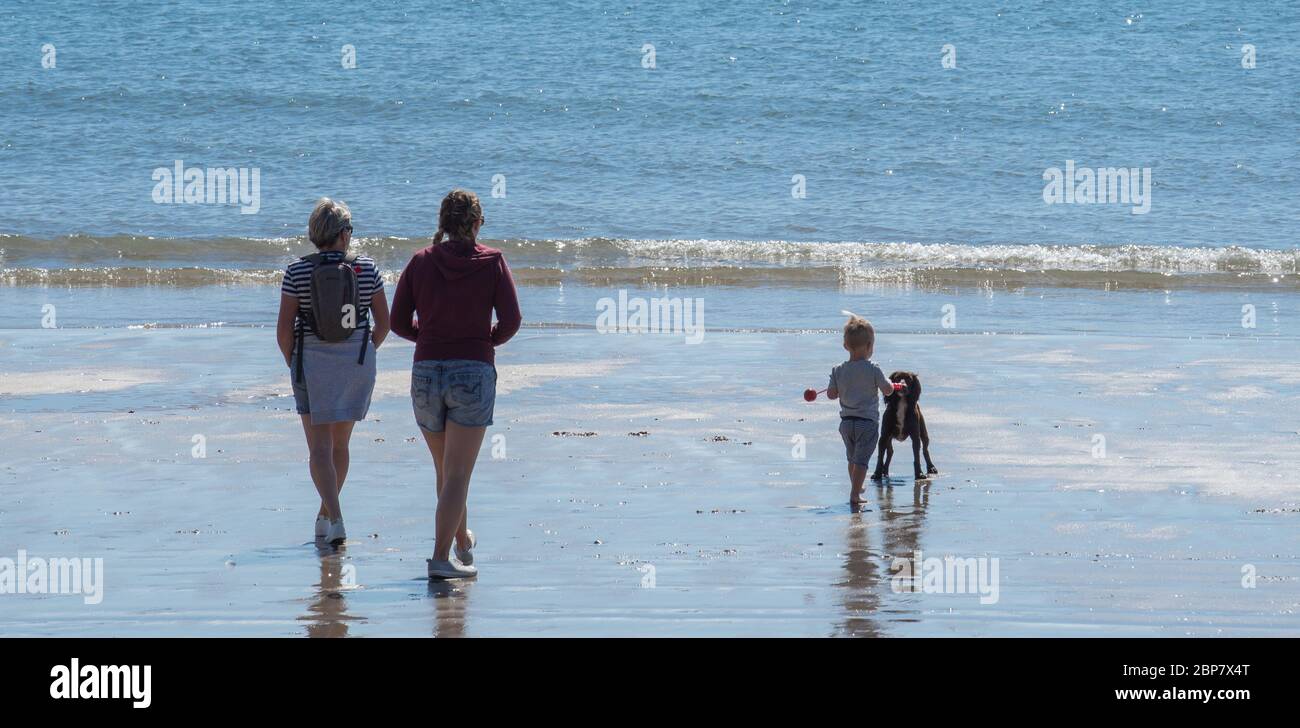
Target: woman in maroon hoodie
point(452, 287)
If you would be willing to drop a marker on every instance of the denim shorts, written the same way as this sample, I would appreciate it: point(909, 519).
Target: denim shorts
point(462, 390)
point(859, 437)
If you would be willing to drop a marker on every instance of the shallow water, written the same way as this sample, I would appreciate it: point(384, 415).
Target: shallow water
point(745, 537)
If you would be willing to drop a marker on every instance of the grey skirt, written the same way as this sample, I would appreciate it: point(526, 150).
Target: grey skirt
point(335, 388)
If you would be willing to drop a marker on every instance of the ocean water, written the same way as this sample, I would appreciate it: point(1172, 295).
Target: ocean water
point(555, 99)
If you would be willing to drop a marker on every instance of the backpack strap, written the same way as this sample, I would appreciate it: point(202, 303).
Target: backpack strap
point(351, 258)
point(297, 372)
point(365, 338)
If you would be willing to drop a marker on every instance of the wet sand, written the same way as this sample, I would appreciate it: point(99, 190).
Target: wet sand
point(687, 512)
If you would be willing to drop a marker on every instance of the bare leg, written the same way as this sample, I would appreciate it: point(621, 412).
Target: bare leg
point(320, 445)
point(460, 450)
point(437, 445)
point(857, 474)
point(340, 436)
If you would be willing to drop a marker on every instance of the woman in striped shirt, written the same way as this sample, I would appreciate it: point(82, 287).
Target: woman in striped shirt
point(332, 385)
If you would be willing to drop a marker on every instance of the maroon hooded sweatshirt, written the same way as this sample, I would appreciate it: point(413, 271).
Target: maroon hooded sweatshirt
point(454, 289)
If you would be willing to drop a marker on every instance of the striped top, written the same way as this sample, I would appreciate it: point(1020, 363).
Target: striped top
point(297, 282)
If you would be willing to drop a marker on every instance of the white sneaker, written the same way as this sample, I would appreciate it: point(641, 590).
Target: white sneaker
point(335, 535)
point(322, 526)
point(466, 556)
point(450, 570)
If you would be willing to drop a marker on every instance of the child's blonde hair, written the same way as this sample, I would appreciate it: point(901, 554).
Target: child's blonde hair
point(859, 333)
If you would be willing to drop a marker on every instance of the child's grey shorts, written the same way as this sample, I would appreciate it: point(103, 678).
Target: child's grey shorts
point(859, 439)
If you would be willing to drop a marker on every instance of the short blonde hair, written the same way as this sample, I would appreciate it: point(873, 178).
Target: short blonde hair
point(859, 333)
point(326, 222)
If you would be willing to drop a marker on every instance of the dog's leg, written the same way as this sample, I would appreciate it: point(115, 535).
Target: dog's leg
point(916, 456)
point(925, 445)
point(882, 466)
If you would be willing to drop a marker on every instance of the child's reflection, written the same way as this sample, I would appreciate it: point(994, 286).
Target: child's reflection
point(861, 574)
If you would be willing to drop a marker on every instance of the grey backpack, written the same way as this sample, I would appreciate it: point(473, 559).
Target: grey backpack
point(335, 304)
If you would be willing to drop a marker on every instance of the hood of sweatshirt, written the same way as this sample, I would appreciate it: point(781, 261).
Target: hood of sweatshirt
point(457, 262)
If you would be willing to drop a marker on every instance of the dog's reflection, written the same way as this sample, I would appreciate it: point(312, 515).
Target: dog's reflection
point(902, 520)
point(328, 611)
point(902, 523)
point(450, 606)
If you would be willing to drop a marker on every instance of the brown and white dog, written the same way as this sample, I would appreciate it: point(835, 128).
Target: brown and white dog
point(903, 420)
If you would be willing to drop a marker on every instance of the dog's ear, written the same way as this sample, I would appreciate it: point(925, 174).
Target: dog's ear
point(913, 387)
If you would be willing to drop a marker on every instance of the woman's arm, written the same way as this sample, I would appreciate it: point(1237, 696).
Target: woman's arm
point(284, 325)
point(402, 318)
point(506, 304)
point(379, 309)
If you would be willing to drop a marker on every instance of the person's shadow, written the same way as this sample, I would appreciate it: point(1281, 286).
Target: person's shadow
point(327, 614)
point(450, 606)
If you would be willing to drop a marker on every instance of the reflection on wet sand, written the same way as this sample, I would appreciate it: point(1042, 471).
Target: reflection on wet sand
point(902, 538)
point(450, 606)
point(861, 574)
point(328, 611)
point(862, 584)
point(902, 521)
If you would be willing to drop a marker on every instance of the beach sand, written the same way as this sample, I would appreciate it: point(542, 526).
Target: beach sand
point(625, 489)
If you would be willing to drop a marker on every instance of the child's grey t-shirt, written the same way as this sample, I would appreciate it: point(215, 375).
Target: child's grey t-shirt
point(859, 385)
